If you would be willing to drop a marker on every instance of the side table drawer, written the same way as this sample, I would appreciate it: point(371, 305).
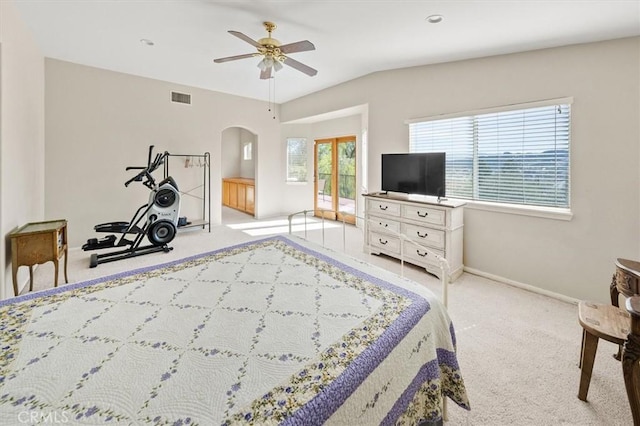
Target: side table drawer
point(626, 283)
point(35, 249)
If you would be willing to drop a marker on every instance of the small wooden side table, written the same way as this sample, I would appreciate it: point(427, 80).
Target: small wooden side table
point(626, 280)
point(36, 243)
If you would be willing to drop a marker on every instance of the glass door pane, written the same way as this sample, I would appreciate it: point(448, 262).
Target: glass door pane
point(324, 172)
point(346, 197)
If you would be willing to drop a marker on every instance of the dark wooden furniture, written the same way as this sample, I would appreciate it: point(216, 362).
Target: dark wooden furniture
point(631, 359)
point(625, 280)
point(36, 243)
point(598, 321)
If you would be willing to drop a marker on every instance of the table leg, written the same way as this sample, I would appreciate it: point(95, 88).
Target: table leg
point(55, 266)
point(14, 273)
point(66, 257)
point(30, 277)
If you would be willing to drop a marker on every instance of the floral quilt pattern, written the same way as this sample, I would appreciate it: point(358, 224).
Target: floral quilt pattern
point(275, 331)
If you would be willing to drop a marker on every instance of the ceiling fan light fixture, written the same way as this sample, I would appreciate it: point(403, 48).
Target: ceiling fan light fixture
point(265, 63)
point(274, 56)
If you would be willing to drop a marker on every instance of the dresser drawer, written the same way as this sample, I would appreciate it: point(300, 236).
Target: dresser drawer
point(414, 253)
point(427, 236)
point(424, 214)
point(385, 242)
point(381, 224)
point(377, 207)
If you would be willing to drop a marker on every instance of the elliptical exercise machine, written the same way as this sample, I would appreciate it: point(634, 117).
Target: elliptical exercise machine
point(160, 217)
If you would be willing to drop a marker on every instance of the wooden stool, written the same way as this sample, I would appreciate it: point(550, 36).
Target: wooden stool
point(606, 322)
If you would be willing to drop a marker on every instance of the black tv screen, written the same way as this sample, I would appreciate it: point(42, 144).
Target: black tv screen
point(415, 173)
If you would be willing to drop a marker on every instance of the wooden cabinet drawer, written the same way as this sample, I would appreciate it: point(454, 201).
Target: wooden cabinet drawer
point(385, 242)
point(414, 253)
point(382, 207)
point(424, 214)
point(427, 236)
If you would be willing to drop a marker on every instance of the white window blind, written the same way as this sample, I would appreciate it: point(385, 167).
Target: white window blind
point(519, 156)
point(296, 160)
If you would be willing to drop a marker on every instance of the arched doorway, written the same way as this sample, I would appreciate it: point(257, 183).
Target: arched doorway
point(238, 171)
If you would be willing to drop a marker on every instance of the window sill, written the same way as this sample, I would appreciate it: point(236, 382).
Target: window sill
point(544, 212)
point(295, 182)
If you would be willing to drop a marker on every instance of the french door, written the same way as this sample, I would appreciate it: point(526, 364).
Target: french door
point(335, 178)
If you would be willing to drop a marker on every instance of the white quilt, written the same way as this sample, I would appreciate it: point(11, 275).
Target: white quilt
point(277, 331)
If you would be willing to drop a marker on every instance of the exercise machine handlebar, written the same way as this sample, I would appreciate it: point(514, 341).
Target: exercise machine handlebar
point(145, 172)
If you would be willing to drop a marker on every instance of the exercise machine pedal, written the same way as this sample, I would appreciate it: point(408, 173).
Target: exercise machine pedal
point(95, 244)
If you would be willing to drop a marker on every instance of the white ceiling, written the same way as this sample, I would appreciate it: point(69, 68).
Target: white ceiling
point(352, 37)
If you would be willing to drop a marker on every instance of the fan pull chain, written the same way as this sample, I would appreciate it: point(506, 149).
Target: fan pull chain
point(269, 82)
point(274, 96)
point(272, 99)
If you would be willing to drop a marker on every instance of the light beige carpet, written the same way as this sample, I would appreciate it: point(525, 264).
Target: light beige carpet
point(518, 351)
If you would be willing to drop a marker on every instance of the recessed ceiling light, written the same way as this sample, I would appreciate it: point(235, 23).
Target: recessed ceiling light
point(146, 42)
point(434, 19)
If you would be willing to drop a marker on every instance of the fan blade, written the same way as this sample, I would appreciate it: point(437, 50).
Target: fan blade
point(298, 46)
point(233, 58)
point(300, 66)
point(266, 74)
point(245, 38)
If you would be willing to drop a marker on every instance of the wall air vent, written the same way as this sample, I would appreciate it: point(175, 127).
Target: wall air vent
point(181, 98)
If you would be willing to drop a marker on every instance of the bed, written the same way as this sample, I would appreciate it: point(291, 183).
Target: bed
point(273, 331)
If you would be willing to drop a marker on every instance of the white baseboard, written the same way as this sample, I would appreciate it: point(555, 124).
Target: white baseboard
point(523, 286)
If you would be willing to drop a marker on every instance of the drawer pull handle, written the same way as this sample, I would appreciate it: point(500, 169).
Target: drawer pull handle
point(421, 254)
point(383, 207)
point(386, 225)
point(385, 242)
point(422, 236)
point(423, 215)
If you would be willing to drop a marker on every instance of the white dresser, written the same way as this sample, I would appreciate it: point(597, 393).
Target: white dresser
point(437, 225)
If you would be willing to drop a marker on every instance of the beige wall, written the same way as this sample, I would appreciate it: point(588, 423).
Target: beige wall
point(98, 122)
point(573, 258)
point(21, 134)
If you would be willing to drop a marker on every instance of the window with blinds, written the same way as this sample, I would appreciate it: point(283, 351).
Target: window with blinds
point(296, 160)
point(518, 156)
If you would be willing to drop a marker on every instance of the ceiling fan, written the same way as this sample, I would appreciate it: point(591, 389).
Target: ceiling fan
point(273, 53)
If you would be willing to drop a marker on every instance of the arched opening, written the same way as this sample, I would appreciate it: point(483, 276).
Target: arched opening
point(238, 170)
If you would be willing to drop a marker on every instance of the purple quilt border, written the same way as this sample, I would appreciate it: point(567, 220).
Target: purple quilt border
point(325, 403)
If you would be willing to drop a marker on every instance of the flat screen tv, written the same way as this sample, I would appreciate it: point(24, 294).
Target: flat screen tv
point(414, 173)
